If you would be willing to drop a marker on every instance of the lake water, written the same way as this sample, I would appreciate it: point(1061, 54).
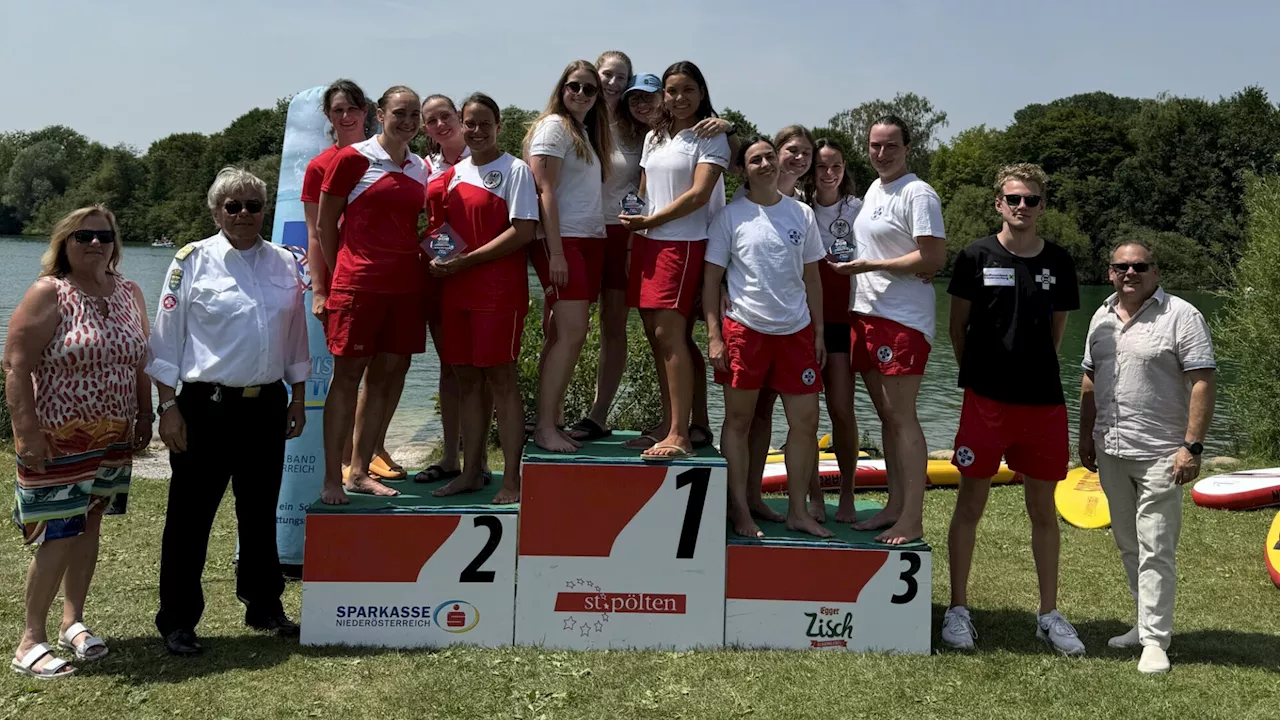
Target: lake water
point(416, 422)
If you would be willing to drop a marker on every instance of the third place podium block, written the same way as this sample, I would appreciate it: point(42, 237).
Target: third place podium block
point(615, 552)
point(794, 591)
point(410, 571)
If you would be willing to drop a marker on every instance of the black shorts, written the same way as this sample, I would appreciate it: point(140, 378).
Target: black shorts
point(836, 337)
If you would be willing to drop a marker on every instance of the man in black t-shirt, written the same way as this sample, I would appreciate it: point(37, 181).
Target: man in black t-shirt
point(1010, 294)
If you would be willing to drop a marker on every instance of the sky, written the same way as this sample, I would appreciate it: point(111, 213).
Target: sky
point(134, 71)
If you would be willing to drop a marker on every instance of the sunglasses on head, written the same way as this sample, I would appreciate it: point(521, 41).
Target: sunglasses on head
point(233, 207)
point(585, 88)
point(1014, 200)
point(84, 237)
point(1123, 268)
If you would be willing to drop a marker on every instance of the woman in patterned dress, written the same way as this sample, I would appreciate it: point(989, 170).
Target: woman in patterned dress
point(81, 406)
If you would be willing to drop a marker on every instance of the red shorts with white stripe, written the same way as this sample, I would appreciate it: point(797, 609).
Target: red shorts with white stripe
point(480, 338)
point(887, 347)
point(585, 258)
point(665, 274)
point(615, 258)
point(785, 363)
point(1031, 438)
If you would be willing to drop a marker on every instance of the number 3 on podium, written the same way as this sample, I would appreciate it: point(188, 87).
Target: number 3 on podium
point(908, 576)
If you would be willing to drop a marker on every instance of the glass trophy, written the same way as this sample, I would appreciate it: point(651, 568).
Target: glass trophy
point(843, 251)
point(632, 203)
point(443, 244)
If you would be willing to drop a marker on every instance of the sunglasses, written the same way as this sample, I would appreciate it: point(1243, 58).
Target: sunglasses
point(586, 89)
point(1014, 200)
point(84, 237)
point(1123, 268)
point(233, 207)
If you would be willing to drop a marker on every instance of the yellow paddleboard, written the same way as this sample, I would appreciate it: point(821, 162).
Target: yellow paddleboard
point(1273, 550)
point(1081, 502)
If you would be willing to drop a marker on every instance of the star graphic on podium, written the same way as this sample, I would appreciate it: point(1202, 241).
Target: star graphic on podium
point(586, 630)
point(569, 584)
point(604, 617)
point(579, 582)
point(599, 626)
point(568, 624)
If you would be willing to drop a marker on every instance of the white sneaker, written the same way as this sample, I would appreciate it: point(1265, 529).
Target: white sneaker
point(1127, 640)
point(957, 629)
point(1154, 660)
point(1060, 634)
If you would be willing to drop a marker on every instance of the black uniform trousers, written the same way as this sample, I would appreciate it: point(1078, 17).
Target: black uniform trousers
point(235, 438)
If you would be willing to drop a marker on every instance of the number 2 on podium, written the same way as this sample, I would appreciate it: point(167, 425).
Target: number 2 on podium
point(699, 479)
point(472, 573)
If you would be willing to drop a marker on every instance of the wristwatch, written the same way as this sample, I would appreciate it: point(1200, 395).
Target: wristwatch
point(1194, 448)
point(164, 406)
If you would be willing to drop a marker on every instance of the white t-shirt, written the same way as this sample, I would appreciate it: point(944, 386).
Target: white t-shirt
point(892, 217)
point(796, 192)
point(668, 172)
point(836, 222)
point(764, 249)
point(578, 193)
point(624, 175)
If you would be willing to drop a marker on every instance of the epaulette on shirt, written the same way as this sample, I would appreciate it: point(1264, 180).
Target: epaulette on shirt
point(184, 251)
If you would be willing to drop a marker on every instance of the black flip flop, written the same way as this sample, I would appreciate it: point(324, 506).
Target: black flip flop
point(591, 428)
point(435, 473)
point(699, 444)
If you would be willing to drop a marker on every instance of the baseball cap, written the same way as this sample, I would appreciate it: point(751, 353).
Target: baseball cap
point(645, 83)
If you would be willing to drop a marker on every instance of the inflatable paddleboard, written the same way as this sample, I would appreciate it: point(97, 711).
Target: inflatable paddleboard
point(1272, 550)
point(1081, 502)
point(1244, 490)
point(871, 475)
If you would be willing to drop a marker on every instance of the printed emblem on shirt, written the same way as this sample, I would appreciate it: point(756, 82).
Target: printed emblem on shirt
point(1046, 280)
point(809, 377)
point(175, 278)
point(839, 228)
point(884, 354)
point(794, 236)
point(964, 456)
point(997, 277)
point(878, 213)
point(169, 302)
point(492, 179)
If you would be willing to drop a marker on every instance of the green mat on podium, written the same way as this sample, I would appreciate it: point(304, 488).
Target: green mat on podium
point(609, 451)
point(417, 497)
point(777, 534)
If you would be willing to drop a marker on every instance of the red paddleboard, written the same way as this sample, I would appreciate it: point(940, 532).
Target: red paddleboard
point(1244, 490)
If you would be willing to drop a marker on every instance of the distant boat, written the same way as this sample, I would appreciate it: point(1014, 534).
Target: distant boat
point(163, 243)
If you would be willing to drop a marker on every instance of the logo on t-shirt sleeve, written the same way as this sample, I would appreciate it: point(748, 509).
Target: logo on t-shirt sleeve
point(492, 179)
point(794, 236)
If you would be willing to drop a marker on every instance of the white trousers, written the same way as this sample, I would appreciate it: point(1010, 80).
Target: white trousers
point(1146, 519)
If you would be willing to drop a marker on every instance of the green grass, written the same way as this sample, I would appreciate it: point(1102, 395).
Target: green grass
point(1225, 651)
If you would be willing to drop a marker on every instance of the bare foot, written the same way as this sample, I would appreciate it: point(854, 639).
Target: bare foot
point(882, 519)
point(644, 442)
point(846, 513)
point(759, 509)
point(459, 485)
point(806, 524)
point(571, 439)
point(902, 532)
point(553, 440)
point(333, 494)
point(745, 526)
point(366, 485)
point(668, 449)
point(507, 496)
point(818, 511)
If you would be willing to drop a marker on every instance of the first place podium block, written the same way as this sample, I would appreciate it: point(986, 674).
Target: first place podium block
point(410, 571)
point(850, 593)
point(619, 553)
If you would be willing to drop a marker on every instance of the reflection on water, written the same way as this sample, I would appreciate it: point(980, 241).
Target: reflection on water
point(415, 421)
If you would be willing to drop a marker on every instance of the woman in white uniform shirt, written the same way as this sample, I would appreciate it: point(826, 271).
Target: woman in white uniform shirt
point(680, 179)
point(767, 246)
point(899, 235)
point(232, 328)
point(564, 148)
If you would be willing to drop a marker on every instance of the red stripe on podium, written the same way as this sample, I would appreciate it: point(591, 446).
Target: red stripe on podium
point(806, 574)
point(579, 511)
point(372, 548)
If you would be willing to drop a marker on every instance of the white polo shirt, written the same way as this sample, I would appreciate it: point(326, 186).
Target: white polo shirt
point(764, 249)
point(578, 194)
point(891, 219)
point(668, 171)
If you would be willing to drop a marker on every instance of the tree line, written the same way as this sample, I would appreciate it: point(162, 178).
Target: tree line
point(1168, 170)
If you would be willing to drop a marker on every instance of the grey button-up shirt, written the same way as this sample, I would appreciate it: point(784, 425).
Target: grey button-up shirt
point(1142, 394)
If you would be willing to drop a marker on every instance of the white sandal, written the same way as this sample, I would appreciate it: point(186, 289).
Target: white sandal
point(85, 650)
point(52, 669)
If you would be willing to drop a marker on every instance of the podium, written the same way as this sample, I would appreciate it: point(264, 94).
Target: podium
point(618, 553)
point(791, 590)
point(410, 571)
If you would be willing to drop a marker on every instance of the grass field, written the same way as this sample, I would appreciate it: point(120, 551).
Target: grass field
point(1226, 652)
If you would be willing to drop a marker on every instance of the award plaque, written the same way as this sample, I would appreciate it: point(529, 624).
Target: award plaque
point(842, 250)
point(632, 204)
point(443, 244)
